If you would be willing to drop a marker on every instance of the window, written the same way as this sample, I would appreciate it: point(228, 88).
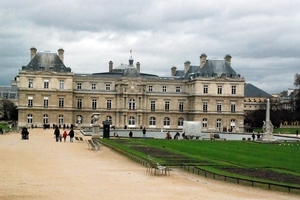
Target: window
point(167, 105)
point(108, 104)
point(205, 89)
point(30, 101)
point(46, 84)
point(109, 118)
point(107, 86)
point(150, 88)
point(60, 119)
point(204, 123)
point(29, 118)
point(78, 86)
point(219, 107)
point(152, 105)
point(60, 102)
point(232, 123)
point(93, 86)
point(94, 103)
point(181, 106)
point(180, 121)
point(178, 89)
point(45, 119)
point(30, 83)
point(166, 121)
point(79, 103)
point(46, 102)
point(219, 89)
point(205, 106)
point(164, 88)
point(61, 84)
point(232, 107)
point(219, 123)
point(131, 121)
point(152, 121)
point(233, 89)
point(131, 104)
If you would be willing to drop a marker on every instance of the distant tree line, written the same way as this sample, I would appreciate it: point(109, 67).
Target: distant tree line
point(277, 114)
point(8, 110)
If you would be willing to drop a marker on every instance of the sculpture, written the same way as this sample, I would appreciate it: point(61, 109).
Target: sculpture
point(267, 135)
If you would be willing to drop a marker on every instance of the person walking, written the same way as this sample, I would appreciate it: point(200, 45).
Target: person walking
point(65, 134)
point(71, 134)
point(144, 132)
point(56, 133)
point(130, 134)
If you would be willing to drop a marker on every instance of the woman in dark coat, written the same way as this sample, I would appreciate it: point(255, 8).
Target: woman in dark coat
point(57, 133)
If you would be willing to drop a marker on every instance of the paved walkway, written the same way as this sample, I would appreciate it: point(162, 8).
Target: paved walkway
point(40, 168)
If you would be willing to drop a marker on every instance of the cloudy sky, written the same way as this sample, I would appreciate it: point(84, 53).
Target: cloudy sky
point(263, 37)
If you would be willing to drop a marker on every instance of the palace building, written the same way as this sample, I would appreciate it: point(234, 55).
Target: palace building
point(210, 92)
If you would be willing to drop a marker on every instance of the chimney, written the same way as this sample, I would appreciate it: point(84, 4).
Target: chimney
point(32, 52)
point(173, 71)
point(138, 67)
point(202, 60)
point(61, 54)
point(111, 66)
point(228, 59)
point(187, 66)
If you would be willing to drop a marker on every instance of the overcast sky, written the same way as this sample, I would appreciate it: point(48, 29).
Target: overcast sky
point(263, 37)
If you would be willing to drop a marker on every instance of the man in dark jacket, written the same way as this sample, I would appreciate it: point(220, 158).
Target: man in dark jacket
point(56, 133)
point(71, 134)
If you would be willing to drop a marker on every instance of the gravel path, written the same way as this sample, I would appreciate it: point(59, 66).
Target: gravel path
point(40, 168)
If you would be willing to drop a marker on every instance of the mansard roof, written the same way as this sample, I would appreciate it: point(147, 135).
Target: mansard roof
point(46, 61)
point(218, 67)
point(212, 68)
point(252, 91)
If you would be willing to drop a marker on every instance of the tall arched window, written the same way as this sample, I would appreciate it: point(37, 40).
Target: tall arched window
point(152, 121)
point(109, 118)
point(204, 123)
point(219, 123)
point(166, 121)
point(180, 121)
point(131, 104)
point(29, 118)
point(45, 119)
point(232, 124)
point(131, 121)
point(60, 119)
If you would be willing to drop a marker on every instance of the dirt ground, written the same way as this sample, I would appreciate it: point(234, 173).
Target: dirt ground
point(40, 168)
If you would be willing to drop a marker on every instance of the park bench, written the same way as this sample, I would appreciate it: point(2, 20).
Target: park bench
point(151, 165)
point(93, 145)
point(81, 139)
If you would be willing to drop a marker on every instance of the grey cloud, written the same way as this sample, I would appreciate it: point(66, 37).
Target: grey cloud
point(261, 36)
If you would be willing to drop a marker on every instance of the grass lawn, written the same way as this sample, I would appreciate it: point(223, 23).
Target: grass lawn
point(279, 158)
point(281, 130)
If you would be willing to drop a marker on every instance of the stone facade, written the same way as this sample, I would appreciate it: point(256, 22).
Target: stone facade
point(127, 97)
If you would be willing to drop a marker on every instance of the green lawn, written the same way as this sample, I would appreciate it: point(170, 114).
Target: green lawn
point(283, 158)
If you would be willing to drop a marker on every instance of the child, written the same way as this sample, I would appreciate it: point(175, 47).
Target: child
point(65, 134)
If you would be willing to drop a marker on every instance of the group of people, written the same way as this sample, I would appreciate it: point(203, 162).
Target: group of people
point(58, 136)
point(253, 136)
point(176, 136)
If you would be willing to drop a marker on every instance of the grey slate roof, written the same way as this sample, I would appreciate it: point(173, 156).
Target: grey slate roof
point(252, 91)
point(212, 68)
point(46, 61)
point(218, 67)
